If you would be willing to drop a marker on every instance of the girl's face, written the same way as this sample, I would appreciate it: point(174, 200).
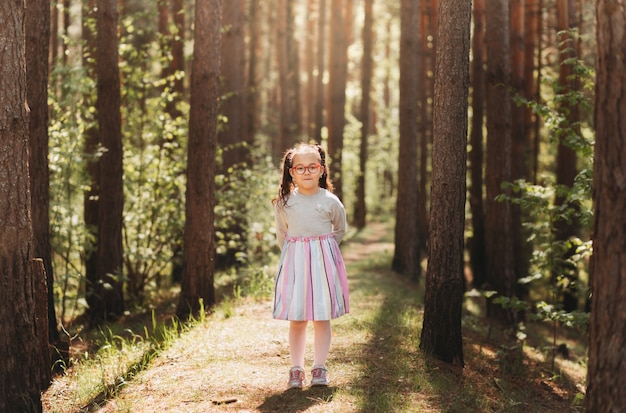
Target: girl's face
point(306, 172)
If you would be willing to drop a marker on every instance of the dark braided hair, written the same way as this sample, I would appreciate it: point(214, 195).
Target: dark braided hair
point(286, 183)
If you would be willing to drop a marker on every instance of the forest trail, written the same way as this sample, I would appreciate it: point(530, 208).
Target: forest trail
point(240, 362)
point(237, 360)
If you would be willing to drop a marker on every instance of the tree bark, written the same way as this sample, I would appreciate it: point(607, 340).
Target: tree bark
point(566, 158)
point(338, 76)
point(320, 63)
point(406, 254)
point(105, 298)
point(21, 366)
point(360, 211)
point(441, 332)
point(500, 259)
point(231, 136)
point(37, 50)
point(476, 155)
point(606, 389)
point(199, 238)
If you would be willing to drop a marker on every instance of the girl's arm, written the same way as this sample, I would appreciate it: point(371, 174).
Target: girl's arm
point(338, 219)
point(281, 226)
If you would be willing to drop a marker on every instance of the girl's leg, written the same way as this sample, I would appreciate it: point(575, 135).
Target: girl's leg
point(321, 342)
point(297, 342)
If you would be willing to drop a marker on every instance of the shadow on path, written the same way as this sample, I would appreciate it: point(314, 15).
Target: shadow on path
point(296, 400)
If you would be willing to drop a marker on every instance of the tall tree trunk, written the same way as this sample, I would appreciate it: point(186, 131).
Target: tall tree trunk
point(441, 332)
point(37, 50)
point(426, 62)
point(178, 46)
point(500, 260)
point(566, 156)
point(252, 95)
point(338, 75)
point(360, 211)
point(520, 146)
point(308, 111)
point(606, 391)
point(199, 239)
point(320, 64)
point(531, 80)
point(290, 127)
point(232, 133)
point(105, 298)
point(231, 136)
point(92, 194)
point(22, 356)
point(406, 258)
point(477, 241)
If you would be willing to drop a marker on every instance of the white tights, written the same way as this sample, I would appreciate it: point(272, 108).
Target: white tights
point(321, 342)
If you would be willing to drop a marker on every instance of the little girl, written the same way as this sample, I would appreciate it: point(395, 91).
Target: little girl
point(311, 284)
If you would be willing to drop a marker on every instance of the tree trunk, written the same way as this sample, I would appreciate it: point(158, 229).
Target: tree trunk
point(500, 261)
point(37, 50)
point(566, 158)
point(406, 258)
point(360, 211)
point(22, 356)
point(231, 136)
point(477, 241)
point(105, 297)
point(320, 62)
point(199, 239)
point(252, 95)
point(441, 332)
point(531, 80)
point(91, 195)
point(338, 75)
point(232, 132)
point(520, 147)
point(606, 391)
point(425, 89)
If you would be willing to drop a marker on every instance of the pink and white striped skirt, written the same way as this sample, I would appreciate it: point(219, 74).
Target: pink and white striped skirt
point(311, 283)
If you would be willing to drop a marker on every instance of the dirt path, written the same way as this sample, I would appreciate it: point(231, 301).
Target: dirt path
point(240, 363)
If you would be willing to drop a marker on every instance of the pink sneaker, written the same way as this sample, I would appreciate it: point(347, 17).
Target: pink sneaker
point(296, 378)
point(319, 376)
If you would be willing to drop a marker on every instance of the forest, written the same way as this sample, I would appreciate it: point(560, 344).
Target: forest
point(141, 146)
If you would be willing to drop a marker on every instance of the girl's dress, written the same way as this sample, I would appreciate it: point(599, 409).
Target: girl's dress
point(311, 283)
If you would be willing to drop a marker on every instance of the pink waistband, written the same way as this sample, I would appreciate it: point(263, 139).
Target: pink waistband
point(309, 238)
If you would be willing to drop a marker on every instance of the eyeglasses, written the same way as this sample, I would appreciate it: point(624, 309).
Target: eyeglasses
point(311, 168)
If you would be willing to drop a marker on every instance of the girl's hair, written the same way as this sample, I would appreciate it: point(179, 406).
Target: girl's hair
point(286, 182)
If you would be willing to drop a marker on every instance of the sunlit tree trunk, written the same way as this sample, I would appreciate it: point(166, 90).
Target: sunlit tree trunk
point(199, 238)
point(500, 259)
point(406, 254)
point(606, 391)
point(476, 155)
point(22, 356)
point(338, 75)
point(105, 294)
point(360, 211)
point(441, 331)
